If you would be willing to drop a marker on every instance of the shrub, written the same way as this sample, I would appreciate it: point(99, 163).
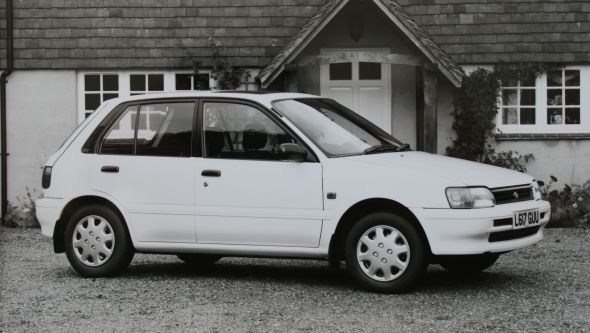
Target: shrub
point(570, 206)
point(22, 214)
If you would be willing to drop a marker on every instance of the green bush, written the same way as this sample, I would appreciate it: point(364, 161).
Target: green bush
point(570, 206)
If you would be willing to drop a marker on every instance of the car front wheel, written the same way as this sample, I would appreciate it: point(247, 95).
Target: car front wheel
point(97, 244)
point(385, 253)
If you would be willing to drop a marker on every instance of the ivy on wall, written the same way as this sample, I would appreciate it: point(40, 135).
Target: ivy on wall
point(476, 107)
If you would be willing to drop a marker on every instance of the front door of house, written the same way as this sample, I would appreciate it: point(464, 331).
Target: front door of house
point(361, 86)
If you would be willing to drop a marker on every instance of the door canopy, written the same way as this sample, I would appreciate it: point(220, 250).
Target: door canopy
point(400, 19)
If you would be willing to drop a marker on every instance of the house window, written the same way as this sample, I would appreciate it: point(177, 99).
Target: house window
point(518, 103)
point(145, 83)
point(99, 88)
point(188, 81)
point(563, 97)
point(550, 104)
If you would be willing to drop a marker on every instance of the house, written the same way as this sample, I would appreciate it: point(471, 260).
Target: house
point(396, 62)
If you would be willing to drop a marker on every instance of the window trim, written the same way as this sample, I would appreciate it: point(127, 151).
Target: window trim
point(93, 144)
point(541, 108)
point(312, 157)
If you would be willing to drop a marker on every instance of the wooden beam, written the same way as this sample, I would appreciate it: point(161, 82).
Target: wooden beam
point(426, 109)
point(384, 58)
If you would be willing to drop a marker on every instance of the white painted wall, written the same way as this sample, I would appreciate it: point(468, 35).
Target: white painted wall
point(41, 113)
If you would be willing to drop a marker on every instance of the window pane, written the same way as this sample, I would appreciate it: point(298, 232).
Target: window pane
point(137, 82)
point(527, 116)
point(555, 116)
point(572, 78)
point(106, 97)
point(237, 131)
point(168, 129)
point(91, 82)
point(201, 82)
point(572, 97)
point(91, 101)
point(510, 83)
point(369, 71)
point(120, 137)
point(156, 82)
point(342, 71)
point(572, 116)
point(530, 82)
point(527, 97)
point(554, 97)
point(554, 79)
point(110, 83)
point(509, 97)
point(509, 116)
point(183, 81)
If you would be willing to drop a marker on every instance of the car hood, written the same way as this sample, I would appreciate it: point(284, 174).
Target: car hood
point(455, 170)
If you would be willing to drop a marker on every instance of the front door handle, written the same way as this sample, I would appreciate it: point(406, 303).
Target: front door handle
point(110, 169)
point(211, 173)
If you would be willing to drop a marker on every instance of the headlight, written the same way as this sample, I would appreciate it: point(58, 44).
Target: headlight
point(536, 190)
point(470, 197)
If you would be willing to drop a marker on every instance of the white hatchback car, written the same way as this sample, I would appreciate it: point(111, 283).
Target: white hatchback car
point(212, 174)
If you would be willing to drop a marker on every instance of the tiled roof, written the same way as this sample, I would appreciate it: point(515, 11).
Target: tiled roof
point(491, 31)
point(400, 18)
point(164, 33)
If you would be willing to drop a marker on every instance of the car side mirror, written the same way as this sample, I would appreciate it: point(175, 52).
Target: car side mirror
point(292, 152)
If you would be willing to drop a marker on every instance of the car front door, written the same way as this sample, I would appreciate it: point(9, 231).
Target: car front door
point(144, 163)
point(245, 193)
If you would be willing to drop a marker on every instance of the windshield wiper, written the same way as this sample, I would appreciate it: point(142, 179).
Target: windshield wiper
point(386, 148)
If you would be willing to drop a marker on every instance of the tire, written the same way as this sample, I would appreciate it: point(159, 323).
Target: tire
point(198, 259)
point(400, 259)
point(90, 233)
point(468, 264)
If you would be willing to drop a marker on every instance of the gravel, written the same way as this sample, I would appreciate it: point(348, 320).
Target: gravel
point(543, 288)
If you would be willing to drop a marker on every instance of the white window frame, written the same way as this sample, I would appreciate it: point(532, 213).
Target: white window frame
point(541, 108)
point(169, 83)
point(82, 91)
point(211, 84)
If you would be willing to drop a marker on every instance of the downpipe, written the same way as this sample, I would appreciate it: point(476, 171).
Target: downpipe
point(3, 82)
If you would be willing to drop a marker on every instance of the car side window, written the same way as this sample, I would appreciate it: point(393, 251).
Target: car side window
point(158, 129)
point(239, 131)
point(120, 138)
point(165, 129)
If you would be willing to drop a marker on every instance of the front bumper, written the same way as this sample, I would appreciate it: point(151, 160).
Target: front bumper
point(467, 231)
point(48, 212)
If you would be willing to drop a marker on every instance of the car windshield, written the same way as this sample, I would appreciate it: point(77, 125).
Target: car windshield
point(336, 130)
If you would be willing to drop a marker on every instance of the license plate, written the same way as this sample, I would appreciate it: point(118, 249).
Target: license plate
point(526, 218)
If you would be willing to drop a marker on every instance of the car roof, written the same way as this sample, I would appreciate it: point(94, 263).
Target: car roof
point(263, 97)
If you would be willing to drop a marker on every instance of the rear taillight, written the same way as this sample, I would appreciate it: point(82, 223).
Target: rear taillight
point(46, 179)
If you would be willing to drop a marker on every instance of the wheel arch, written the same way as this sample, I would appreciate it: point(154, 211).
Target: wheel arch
point(362, 208)
point(71, 207)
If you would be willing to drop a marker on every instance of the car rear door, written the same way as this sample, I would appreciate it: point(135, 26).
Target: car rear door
point(145, 163)
point(247, 195)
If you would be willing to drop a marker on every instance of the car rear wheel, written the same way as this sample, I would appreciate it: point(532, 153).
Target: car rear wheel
point(468, 263)
point(198, 259)
point(96, 242)
point(385, 253)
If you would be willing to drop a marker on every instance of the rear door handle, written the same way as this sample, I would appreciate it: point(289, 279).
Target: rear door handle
point(211, 173)
point(110, 169)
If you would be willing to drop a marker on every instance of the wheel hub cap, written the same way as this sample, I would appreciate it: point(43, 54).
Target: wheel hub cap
point(383, 253)
point(93, 240)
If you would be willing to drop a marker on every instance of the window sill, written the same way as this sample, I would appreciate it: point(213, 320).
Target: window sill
point(536, 136)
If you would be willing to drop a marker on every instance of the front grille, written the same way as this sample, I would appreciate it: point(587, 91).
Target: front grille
point(512, 234)
point(503, 222)
point(504, 195)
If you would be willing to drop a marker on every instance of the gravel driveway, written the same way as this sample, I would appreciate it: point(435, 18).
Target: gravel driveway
point(543, 288)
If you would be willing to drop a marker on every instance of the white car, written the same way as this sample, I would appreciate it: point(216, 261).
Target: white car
point(205, 175)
